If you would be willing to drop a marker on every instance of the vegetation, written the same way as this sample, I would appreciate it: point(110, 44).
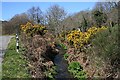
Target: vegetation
point(66, 56)
point(89, 39)
point(63, 46)
point(30, 29)
point(51, 73)
point(99, 17)
point(14, 64)
point(80, 39)
point(55, 16)
point(105, 46)
point(76, 69)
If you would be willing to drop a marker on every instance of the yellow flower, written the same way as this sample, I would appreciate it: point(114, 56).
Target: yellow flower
point(28, 28)
point(80, 38)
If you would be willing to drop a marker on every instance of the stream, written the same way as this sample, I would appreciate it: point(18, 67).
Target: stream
point(62, 66)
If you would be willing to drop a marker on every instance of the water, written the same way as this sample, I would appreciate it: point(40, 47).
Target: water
point(62, 67)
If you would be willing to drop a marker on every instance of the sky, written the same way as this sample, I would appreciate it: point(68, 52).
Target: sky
point(9, 9)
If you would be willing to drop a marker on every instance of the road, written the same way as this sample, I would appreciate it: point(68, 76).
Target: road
point(4, 40)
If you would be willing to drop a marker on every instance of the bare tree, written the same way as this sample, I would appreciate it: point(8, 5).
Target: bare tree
point(36, 15)
point(55, 15)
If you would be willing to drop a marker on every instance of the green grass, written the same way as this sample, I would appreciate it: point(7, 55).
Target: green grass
point(0, 71)
point(8, 34)
point(14, 64)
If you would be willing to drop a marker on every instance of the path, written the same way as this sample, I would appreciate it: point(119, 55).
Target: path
point(4, 40)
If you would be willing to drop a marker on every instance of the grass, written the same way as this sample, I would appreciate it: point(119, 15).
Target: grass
point(14, 64)
point(0, 71)
point(7, 34)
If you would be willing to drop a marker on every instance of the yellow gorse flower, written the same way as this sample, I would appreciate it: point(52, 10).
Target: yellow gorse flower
point(29, 28)
point(79, 39)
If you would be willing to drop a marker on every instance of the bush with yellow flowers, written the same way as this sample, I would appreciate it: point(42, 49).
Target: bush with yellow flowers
point(79, 39)
point(31, 29)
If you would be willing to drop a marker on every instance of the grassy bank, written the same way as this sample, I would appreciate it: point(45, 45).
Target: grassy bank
point(14, 64)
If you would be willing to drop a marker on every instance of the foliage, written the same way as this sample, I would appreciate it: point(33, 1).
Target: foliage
point(63, 46)
point(99, 17)
point(31, 29)
point(105, 46)
point(66, 56)
point(76, 69)
point(13, 63)
point(79, 39)
point(50, 73)
point(84, 24)
point(11, 26)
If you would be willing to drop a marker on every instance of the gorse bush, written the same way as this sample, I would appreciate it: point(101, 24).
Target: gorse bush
point(105, 46)
point(79, 39)
point(31, 29)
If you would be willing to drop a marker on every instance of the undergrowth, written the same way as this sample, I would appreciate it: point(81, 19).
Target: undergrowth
point(77, 70)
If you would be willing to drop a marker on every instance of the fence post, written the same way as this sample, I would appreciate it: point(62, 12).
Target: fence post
point(17, 43)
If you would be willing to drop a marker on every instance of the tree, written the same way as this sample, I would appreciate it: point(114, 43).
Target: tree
point(55, 15)
point(110, 9)
point(84, 24)
point(36, 15)
point(99, 17)
point(12, 25)
point(19, 19)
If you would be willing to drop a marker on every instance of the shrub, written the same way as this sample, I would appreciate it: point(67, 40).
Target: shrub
point(31, 29)
point(77, 70)
point(63, 46)
point(66, 56)
point(79, 39)
point(105, 46)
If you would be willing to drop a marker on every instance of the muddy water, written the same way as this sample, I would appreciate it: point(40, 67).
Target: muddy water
point(62, 66)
